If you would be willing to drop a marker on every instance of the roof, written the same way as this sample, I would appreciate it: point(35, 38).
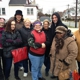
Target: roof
point(21, 3)
point(44, 17)
point(17, 2)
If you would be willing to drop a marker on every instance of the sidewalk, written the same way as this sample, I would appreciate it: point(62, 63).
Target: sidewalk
point(73, 29)
point(29, 75)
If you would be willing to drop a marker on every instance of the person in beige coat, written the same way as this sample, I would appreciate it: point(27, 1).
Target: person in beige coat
point(63, 52)
point(77, 37)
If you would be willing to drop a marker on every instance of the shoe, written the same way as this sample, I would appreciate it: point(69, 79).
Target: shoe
point(17, 78)
point(25, 75)
point(46, 74)
point(42, 78)
point(21, 68)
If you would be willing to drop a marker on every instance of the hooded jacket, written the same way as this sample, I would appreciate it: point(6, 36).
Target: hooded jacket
point(59, 23)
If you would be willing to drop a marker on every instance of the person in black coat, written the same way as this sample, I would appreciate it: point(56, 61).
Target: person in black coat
point(48, 33)
point(56, 21)
point(2, 22)
point(25, 31)
point(11, 39)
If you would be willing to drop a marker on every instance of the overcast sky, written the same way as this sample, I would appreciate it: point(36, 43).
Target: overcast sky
point(59, 5)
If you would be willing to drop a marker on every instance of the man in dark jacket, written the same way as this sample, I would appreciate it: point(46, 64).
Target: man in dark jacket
point(56, 21)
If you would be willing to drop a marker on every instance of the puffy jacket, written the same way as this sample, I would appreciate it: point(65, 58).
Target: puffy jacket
point(8, 46)
point(24, 34)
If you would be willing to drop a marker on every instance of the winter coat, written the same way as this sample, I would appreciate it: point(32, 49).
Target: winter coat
point(48, 34)
point(68, 54)
point(40, 38)
point(19, 25)
point(25, 32)
point(59, 23)
point(77, 36)
point(8, 46)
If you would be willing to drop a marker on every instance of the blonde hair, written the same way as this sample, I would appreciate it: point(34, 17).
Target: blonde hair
point(25, 20)
point(46, 20)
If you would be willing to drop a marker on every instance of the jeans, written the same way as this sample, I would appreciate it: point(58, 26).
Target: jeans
point(47, 63)
point(36, 65)
point(8, 64)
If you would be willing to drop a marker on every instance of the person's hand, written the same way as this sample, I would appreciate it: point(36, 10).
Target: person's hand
point(43, 45)
point(9, 40)
point(38, 45)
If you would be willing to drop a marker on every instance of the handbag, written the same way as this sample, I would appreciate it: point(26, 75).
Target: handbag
point(75, 75)
point(19, 54)
point(64, 74)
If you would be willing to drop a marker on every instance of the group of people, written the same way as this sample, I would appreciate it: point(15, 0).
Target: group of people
point(50, 44)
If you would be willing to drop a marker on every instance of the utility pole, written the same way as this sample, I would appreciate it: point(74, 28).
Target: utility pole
point(68, 10)
point(76, 15)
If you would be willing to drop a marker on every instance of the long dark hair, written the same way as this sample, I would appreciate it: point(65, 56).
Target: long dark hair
point(8, 26)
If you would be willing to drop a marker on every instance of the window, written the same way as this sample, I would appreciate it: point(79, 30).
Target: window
point(30, 11)
point(73, 13)
point(2, 11)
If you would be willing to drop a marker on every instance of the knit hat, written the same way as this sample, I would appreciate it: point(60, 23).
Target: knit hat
point(61, 29)
point(37, 22)
point(18, 12)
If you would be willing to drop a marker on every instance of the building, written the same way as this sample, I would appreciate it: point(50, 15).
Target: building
point(70, 13)
point(8, 10)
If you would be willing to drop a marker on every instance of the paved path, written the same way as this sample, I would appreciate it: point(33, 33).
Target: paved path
point(29, 75)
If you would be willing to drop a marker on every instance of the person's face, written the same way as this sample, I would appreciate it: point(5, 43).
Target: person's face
point(13, 25)
point(38, 27)
point(46, 25)
point(18, 17)
point(27, 24)
point(59, 35)
point(2, 22)
point(54, 19)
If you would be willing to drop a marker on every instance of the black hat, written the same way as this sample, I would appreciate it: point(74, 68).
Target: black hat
point(18, 12)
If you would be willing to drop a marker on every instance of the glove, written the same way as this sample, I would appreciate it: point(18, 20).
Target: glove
point(38, 45)
point(9, 40)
